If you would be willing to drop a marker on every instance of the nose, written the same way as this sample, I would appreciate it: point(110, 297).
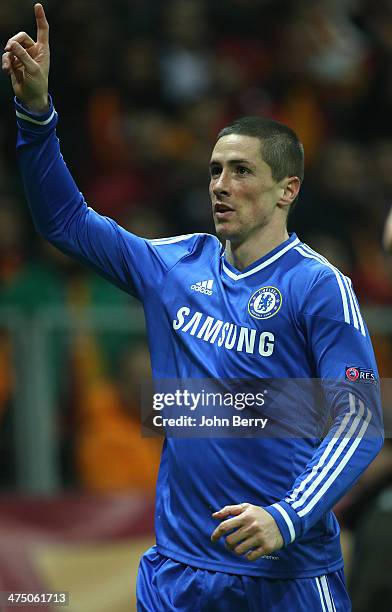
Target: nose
point(221, 185)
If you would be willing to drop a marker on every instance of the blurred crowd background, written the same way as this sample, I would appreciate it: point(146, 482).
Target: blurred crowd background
point(142, 87)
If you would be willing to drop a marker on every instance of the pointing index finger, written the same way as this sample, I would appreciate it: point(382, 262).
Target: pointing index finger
point(42, 24)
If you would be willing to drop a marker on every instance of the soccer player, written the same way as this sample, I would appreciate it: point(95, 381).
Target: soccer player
point(241, 523)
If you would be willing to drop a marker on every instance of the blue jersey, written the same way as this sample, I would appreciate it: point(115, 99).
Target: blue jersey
point(289, 315)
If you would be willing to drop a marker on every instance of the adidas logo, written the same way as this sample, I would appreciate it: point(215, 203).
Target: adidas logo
point(203, 287)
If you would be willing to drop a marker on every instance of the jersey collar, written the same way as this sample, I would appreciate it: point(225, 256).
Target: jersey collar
point(261, 263)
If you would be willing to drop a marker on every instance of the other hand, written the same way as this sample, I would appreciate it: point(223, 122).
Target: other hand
point(255, 530)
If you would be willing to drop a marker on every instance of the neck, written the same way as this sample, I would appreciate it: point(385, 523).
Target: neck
point(243, 254)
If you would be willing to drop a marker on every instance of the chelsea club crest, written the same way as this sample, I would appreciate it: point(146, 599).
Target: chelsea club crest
point(265, 303)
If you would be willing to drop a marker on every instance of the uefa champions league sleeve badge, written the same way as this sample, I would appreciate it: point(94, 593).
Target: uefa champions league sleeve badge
point(265, 303)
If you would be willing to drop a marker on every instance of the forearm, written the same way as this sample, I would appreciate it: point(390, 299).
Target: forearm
point(350, 446)
point(51, 192)
point(58, 208)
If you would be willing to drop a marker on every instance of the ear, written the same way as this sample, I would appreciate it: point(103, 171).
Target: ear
point(289, 188)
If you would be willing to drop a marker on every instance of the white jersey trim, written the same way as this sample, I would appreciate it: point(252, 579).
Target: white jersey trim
point(261, 266)
point(350, 297)
point(324, 456)
point(353, 300)
point(173, 239)
point(356, 308)
point(336, 461)
point(349, 302)
point(287, 520)
point(170, 239)
point(35, 121)
point(340, 467)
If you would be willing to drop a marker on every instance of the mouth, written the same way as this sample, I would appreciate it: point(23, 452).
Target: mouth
point(221, 209)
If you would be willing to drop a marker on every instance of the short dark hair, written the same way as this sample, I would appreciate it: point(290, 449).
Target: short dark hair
point(281, 148)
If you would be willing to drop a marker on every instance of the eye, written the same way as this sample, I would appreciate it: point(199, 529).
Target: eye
point(242, 170)
point(215, 170)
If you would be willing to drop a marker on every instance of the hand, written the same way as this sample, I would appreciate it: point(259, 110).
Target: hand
point(27, 62)
point(256, 532)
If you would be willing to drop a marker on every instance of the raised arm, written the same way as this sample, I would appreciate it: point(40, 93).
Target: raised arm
point(59, 210)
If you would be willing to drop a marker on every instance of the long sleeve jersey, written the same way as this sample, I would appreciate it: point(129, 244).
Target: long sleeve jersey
point(289, 316)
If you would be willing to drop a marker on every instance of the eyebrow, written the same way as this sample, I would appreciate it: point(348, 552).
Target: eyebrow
point(233, 162)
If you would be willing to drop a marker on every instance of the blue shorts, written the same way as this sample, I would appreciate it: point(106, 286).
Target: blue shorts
point(164, 585)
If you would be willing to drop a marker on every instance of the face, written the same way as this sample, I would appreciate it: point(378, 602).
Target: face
point(243, 193)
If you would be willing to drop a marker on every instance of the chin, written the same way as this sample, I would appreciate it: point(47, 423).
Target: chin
point(224, 231)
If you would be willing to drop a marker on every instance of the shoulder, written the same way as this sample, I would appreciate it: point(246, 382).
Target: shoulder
point(185, 241)
point(314, 269)
point(175, 248)
point(324, 289)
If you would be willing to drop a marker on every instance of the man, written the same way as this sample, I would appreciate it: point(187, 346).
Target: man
point(242, 524)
